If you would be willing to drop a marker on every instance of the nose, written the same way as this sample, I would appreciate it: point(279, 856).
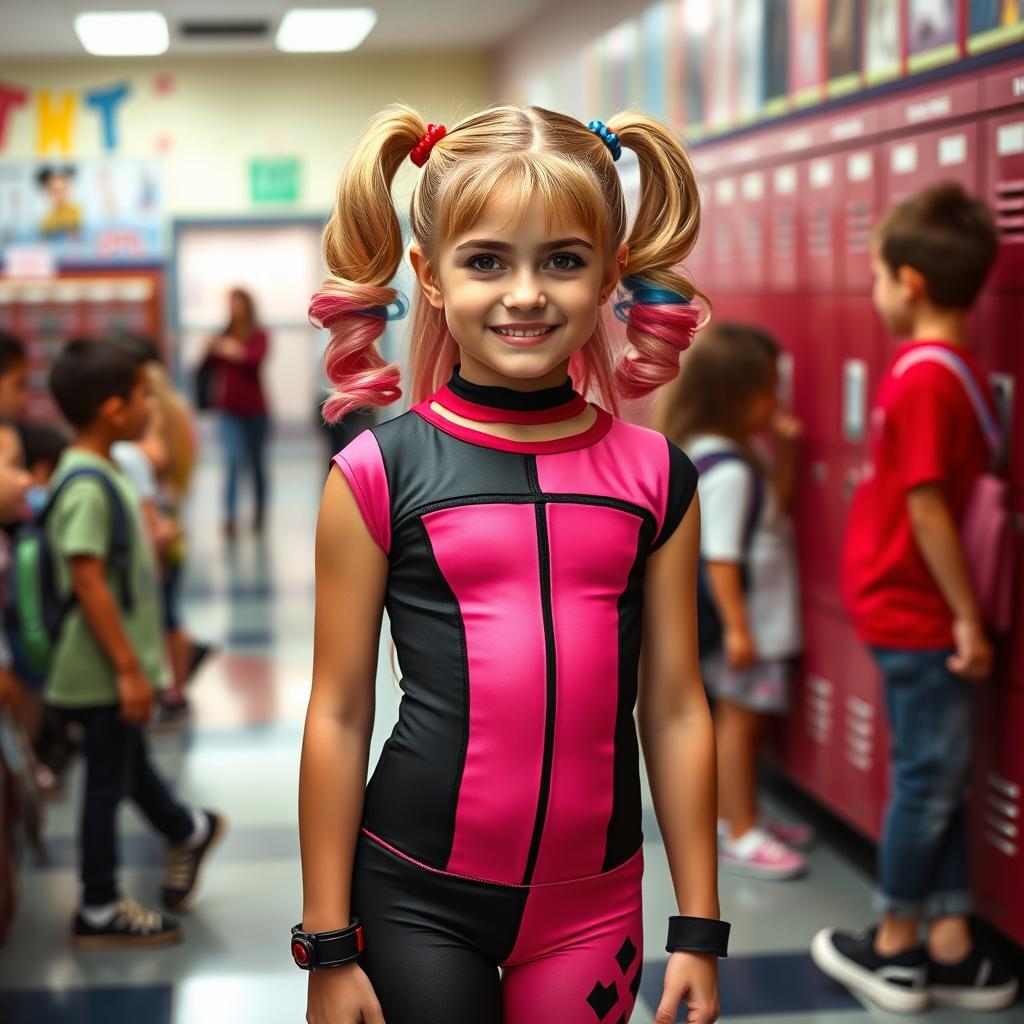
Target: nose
point(525, 292)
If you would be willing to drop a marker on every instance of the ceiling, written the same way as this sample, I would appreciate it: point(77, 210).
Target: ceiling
point(43, 28)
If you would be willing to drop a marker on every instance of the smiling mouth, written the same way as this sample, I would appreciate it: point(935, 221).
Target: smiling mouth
point(524, 332)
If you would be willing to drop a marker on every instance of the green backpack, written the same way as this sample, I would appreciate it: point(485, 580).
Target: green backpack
point(35, 611)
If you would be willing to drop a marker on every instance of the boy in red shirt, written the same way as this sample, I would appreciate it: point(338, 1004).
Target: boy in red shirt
point(907, 587)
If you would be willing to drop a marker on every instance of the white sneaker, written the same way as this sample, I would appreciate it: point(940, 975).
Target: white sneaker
point(759, 855)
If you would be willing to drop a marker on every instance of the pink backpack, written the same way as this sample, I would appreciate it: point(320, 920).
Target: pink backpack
point(987, 531)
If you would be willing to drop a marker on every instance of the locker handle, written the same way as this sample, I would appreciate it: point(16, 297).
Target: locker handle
point(819, 471)
point(850, 482)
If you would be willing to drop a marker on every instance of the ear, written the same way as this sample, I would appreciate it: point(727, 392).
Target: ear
point(912, 282)
point(112, 409)
point(428, 280)
point(613, 272)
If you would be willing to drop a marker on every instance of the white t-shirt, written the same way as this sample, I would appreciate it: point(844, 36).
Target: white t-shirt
point(773, 596)
point(135, 464)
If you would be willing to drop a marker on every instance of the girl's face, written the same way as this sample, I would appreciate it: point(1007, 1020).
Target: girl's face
point(239, 308)
point(520, 297)
point(762, 410)
point(15, 480)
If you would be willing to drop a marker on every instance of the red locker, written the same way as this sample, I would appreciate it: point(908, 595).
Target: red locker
point(812, 725)
point(827, 481)
point(997, 808)
point(822, 190)
point(862, 786)
point(784, 258)
point(943, 154)
point(1004, 190)
point(723, 235)
point(752, 217)
point(1012, 674)
point(860, 184)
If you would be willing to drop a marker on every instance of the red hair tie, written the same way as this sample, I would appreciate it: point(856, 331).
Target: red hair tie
point(421, 151)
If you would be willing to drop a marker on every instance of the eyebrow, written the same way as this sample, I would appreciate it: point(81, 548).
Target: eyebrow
point(491, 243)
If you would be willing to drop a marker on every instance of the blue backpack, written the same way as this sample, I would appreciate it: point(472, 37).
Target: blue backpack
point(709, 622)
point(35, 611)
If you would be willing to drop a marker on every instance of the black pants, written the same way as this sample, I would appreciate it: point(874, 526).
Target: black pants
point(118, 766)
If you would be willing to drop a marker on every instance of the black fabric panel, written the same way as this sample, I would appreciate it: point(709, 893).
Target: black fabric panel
point(625, 834)
point(682, 485)
point(411, 799)
point(433, 942)
point(424, 464)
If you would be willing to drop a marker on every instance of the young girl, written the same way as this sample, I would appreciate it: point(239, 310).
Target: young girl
point(524, 542)
point(725, 396)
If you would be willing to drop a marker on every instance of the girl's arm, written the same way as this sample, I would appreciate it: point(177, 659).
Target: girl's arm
point(351, 571)
point(679, 749)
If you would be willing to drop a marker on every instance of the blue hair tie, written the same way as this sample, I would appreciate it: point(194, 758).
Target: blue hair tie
point(610, 139)
point(644, 293)
point(393, 311)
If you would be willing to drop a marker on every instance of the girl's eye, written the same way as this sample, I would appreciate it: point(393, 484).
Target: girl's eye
point(565, 261)
point(484, 263)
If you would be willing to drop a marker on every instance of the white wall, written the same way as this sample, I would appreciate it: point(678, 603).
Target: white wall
point(206, 118)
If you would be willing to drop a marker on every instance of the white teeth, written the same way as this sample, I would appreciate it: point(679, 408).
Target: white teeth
point(510, 333)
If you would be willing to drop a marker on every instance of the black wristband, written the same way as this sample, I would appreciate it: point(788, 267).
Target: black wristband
point(313, 951)
point(698, 935)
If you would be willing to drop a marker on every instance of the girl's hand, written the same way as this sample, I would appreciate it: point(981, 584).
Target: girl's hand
point(786, 428)
point(342, 995)
point(739, 648)
point(691, 978)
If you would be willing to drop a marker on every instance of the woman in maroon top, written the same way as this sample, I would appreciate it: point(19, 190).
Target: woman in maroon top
point(245, 423)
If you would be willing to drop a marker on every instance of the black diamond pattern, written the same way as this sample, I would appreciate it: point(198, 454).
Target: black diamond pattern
point(626, 955)
point(603, 999)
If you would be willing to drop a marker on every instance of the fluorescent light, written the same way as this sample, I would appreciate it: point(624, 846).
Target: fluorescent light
point(123, 33)
point(307, 30)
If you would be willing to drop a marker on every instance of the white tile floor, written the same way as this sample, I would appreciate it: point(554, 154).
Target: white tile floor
point(241, 754)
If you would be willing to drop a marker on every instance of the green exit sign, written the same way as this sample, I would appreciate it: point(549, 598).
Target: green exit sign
point(274, 180)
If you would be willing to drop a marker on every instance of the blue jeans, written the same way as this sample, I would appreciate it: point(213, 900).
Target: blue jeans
point(245, 440)
point(922, 860)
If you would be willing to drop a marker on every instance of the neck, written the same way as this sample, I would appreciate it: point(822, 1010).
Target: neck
point(475, 372)
point(96, 441)
point(949, 325)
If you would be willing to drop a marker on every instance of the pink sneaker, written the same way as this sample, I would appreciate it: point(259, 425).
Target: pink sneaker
point(798, 836)
point(759, 855)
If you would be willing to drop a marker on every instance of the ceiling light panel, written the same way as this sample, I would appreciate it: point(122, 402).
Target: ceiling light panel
point(122, 33)
point(323, 30)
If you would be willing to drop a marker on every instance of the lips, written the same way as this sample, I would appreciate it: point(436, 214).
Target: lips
point(524, 334)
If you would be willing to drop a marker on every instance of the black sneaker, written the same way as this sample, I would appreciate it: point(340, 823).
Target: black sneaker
point(896, 983)
point(131, 927)
point(184, 865)
point(975, 983)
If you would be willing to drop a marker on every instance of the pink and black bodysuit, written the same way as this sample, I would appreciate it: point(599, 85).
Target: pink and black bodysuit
point(502, 826)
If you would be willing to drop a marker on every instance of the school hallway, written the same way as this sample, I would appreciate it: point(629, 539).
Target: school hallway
point(240, 754)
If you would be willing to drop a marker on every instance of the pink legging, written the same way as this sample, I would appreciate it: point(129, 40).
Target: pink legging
point(569, 952)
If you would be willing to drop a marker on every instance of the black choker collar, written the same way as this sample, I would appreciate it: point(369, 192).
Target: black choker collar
point(509, 398)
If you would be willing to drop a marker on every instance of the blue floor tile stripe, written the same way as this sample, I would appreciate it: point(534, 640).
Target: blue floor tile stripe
point(147, 1005)
point(776, 983)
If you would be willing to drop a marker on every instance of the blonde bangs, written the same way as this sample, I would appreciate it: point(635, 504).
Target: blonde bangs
point(568, 188)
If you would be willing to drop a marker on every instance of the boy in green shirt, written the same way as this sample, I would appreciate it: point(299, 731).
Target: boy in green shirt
point(108, 659)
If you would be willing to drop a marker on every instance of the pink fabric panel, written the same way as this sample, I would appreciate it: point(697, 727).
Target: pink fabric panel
point(592, 551)
point(569, 939)
point(363, 466)
point(631, 464)
point(489, 556)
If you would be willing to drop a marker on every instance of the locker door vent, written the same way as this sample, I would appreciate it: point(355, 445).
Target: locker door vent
point(818, 718)
point(858, 226)
point(1010, 210)
point(860, 734)
point(785, 234)
point(1002, 814)
point(820, 230)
